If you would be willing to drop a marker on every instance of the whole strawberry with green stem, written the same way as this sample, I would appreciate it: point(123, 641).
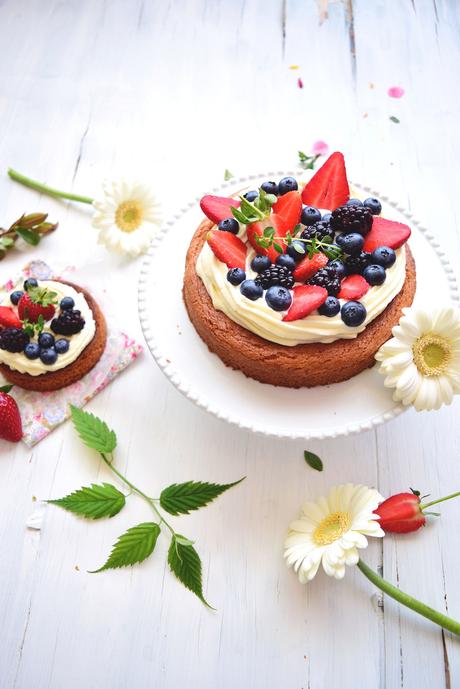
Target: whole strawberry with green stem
point(35, 302)
point(10, 419)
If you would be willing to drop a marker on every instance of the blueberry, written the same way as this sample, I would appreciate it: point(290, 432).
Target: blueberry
point(270, 188)
point(236, 276)
point(354, 202)
point(327, 217)
point(339, 267)
point(67, 303)
point(286, 261)
point(310, 215)
point(251, 290)
point(374, 206)
point(32, 350)
point(287, 184)
point(48, 356)
point(251, 195)
point(296, 250)
point(260, 263)
point(278, 298)
point(353, 313)
point(330, 308)
point(384, 256)
point(62, 346)
point(351, 243)
point(15, 297)
point(30, 282)
point(46, 340)
point(227, 225)
point(374, 274)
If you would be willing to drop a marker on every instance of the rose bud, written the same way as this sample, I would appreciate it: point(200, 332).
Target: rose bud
point(401, 513)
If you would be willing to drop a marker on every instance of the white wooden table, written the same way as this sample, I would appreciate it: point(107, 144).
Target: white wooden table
point(174, 93)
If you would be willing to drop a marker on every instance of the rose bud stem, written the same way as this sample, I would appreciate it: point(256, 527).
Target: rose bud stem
point(403, 513)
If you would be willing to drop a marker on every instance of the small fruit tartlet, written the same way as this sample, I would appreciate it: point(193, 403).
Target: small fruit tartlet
point(52, 333)
point(298, 284)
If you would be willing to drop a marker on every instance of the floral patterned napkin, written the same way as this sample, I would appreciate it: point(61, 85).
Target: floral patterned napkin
point(41, 412)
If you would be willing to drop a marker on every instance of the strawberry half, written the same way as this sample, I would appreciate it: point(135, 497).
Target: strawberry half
point(217, 208)
point(8, 318)
point(289, 207)
point(353, 287)
point(386, 233)
point(281, 227)
point(10, 419)
point(307, 267)
point(37, 302)
point(328, 188)
point(305, 299)
point(228, 248)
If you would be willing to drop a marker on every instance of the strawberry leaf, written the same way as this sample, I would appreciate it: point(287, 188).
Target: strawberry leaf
point(6, 388)
point(93, 431)
point(93, 502)
point(313, 460)
point(135, 545)
point(182, 498)
point(185, 564)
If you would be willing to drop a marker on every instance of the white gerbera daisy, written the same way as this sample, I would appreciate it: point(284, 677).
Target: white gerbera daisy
point(422, 359)
point(331, 530)
point(127, 217)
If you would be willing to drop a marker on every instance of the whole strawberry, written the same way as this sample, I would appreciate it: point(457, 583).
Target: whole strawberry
point(404, 512)
point(35, 302)
point(10, 419)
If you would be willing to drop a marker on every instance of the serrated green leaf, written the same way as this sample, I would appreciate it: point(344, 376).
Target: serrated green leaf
point(93, 502)
point(182, 498)
point(93, 431)
point(28, 236)
point(313, 460)
point(185, 564)
point(135, 545)
point(5, 388)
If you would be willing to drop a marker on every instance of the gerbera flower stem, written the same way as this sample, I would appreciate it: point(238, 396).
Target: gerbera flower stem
point(409, 601)
point(38, 186)
point(435, 502)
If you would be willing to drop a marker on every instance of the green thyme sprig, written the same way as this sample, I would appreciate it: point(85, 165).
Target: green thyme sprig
point(310, 246)
point(254, 211)
point(31, 228)
point(306, 161)
point(138, 542)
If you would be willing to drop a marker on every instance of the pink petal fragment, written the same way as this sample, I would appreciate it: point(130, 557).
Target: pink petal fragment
point(300, 83)
point(320, 148)
point(396, 92)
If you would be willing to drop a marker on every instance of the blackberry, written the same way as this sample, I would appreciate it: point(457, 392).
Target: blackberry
point(275, 275)
point(69, 322)
point(354, 265)
point(319, 230)
point(326, 277)
point(13, 339)
point(352, 219)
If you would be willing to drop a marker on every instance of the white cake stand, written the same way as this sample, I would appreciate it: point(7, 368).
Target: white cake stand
point(353, 406)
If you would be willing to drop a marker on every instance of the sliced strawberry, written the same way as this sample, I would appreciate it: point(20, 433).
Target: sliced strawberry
point(353, 287)
point(8, 318)
point(228, 248)
point(386, 233)
point(217, 208)
point(307, 267)
point(289, 207)
point(274, 220)
point(328, 188)
point(305, 299)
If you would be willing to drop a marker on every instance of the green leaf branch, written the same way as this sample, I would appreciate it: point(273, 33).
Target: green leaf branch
point(254, 211)
point(309, 247)
point(138, 542)
point(31, 228)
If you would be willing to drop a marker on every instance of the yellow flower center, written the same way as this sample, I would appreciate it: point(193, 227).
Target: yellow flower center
point(432, 354)
point(331, 528)
point(129, 215)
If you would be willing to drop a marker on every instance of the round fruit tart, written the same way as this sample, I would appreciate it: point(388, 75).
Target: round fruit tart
point(298, 284)
point(52, 333)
